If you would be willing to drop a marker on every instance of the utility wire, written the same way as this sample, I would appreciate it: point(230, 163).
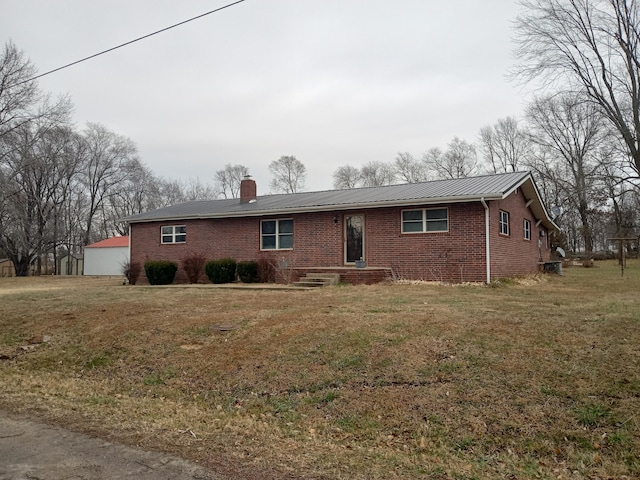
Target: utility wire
point(128, 43)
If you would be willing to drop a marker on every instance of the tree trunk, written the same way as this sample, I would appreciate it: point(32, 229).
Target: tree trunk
point(21, 265)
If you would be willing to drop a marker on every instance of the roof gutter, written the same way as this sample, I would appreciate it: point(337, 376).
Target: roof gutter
point(486, 238)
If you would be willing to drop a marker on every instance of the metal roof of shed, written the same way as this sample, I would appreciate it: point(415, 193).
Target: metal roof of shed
point(489, 187)
point(111, 243)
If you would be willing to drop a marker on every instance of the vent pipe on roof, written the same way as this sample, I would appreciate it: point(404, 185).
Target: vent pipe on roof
point(248, 189)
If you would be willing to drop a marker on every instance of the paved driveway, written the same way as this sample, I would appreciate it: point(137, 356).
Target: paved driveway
point(37, 451)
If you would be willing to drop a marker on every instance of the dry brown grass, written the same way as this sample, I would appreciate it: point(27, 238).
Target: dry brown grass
point(535, 378)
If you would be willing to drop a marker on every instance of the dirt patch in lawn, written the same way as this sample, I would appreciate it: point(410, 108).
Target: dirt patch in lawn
point(528, 379)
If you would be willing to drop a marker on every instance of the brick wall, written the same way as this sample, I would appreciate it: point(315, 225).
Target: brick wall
point(513, 255)
point(454, 256)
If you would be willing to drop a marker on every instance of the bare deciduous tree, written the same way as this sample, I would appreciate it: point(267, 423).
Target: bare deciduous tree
point(347, 176)
point(194, 189)
point(410, 170)
point(138, 193)
point(590, 47)
point(505, 146)
point(18, 95)
point(570, 131)
point(38, 166)
point(289, 174)
point(106, 154)
point(431, 157)
point(228, 180)
point(376, 174)
point(459, 161)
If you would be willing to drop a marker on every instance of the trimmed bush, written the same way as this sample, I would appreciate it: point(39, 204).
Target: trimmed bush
point(160, 272)
point(131, 271)
point(266, 271)
point(248, 271)
point(221, 271)
point(193, 266)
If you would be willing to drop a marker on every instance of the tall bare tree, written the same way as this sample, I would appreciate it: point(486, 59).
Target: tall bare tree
point(376, 174)
point(289, 174)
point(347, 176)
point(196, 189)
point(460, 160)
point(622, 192)
point(430, 158)
point(228, 180)
point(410, 170)
point(18, 95)
point(570, 131)
point(504, 145)
point(138, 192)
point(38, 165)
point(106, 154)
point(591, 47)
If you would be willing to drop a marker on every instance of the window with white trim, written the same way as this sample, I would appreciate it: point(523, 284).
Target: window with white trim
point(527, 229)
point(504, 223)
point(173, 234)
point(276, 234)
point(425, 220)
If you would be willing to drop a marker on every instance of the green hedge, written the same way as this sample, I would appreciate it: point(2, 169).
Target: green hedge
point(160, 272)
point(248, 271)
point(221, 271)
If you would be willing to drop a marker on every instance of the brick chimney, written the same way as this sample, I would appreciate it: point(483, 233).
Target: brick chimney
point(248, 189)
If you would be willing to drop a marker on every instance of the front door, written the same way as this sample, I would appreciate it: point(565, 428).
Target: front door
point(353, 238)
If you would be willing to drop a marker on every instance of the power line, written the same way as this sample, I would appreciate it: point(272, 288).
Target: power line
point(128, 43)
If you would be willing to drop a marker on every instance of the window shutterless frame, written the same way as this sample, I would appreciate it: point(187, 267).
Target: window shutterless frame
point(173, 234)
point(276, 234)
point(527, 229)
point(504, 223)
point(425, 220)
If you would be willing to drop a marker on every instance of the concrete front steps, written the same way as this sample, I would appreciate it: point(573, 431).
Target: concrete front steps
point(318, 280)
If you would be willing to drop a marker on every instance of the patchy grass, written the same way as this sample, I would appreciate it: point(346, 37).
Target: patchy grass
point(534, 378)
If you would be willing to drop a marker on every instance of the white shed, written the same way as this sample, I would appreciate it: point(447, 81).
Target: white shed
point(106, 257)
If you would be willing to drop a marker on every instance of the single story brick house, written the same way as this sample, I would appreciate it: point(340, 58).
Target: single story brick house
point(464, 230)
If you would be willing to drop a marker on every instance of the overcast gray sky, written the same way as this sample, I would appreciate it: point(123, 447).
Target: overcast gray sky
point(333, 82)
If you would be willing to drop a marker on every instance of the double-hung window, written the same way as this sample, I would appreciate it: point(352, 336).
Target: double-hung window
point(504, 223)
point(425, 220)
point(527, 229)
point(276, 234)
point(173, 234)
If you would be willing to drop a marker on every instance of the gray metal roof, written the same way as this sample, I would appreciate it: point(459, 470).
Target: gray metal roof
point(489, 187)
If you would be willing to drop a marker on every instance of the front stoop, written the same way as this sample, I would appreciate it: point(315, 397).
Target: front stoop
point(318, 280)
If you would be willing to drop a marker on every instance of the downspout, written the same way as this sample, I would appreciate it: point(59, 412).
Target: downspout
point(486, 238)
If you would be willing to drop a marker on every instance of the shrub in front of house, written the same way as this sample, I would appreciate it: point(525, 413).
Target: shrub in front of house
point(248, 271)
point(193, 266)
point(131, 271)
point(221, 271)
point(266, 270)
point(160, 272)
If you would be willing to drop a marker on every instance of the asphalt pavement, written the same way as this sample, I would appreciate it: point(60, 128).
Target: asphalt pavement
point(37, 451)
